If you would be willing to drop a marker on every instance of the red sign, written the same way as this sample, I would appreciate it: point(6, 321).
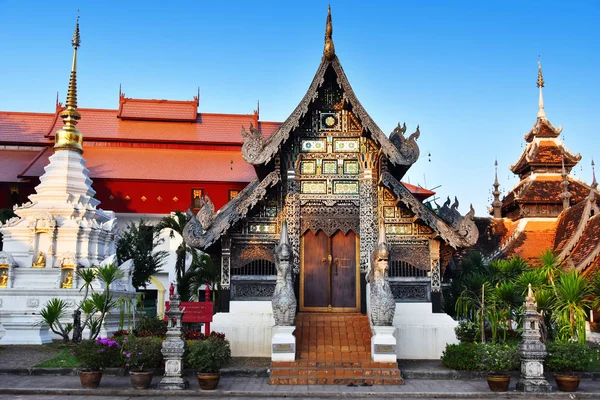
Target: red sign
point(194, 311)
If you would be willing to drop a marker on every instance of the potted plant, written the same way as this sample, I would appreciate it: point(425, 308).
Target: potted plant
point(208, 356)
point(141, 356)
point(93, 356)
point(565, 359)
point(497, 359)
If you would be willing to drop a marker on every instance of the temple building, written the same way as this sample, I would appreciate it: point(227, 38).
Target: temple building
point(548, 209)
point(333, 176)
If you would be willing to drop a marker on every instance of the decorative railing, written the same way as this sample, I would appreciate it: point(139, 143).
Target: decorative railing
point(254, 281)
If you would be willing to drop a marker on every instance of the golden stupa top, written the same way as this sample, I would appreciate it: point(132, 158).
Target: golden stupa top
point(69, 137)
point(540, 84)
point(329, 50)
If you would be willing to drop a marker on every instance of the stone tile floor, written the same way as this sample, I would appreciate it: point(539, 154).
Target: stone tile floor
point(56, 387)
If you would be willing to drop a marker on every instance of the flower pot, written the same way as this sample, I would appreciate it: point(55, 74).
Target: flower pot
point(567, 383)
point(140, 379)
point(498, 382)
point(208, 381)
point(90, 379)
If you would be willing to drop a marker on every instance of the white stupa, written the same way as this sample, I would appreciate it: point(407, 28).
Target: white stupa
point(58, 231)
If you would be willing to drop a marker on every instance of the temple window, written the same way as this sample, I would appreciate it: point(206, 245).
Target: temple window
point(197, 195)
point(233, 193)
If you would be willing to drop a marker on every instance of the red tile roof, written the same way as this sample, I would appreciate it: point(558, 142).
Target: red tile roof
point(542, 128)
point(25, 128)
point(547, 154)
point(535, 238)
point(545, 189)
point(97, 124)
point(159, 110)
point(159, 164)
point(12, 162)
point(588, 243)
point(418, 191)
point(568, 221)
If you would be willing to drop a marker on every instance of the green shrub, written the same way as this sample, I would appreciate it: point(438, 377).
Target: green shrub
point(463, 356)
point(467, 332)
point(567, 357)
point(95, 355)
point(499, 357)
point(150, 326)
point(210, 354)
point(139, 354)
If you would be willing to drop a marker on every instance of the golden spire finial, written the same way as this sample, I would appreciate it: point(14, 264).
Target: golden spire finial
point(68, 137)
point(329, 50)
point(540, 84)
point(594, 181)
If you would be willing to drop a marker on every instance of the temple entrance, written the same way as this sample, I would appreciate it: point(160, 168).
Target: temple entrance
point(329, 273)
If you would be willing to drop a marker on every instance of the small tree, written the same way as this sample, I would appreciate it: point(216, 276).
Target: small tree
point(572, 302)
point(137, 243)
point(95, 306)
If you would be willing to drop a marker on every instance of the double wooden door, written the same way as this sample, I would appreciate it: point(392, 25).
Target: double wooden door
point(329, 273)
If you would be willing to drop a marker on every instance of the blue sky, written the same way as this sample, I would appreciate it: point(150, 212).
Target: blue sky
point(465, 71)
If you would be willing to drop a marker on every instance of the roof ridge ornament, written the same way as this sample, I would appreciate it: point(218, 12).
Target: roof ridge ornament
point(329, 50)
point(594, 181)
point(69, 137)
point(540, 84)
point(496, 204)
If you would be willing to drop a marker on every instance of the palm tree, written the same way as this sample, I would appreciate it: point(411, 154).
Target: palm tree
point(176, 223)
point(573, 299)
point(550, 266)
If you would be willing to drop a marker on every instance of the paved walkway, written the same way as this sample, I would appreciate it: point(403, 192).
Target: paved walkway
point(56, 387)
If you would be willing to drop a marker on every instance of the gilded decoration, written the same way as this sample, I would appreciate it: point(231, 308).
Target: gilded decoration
point(350, 167)
point(262, 228)
point(314, 187)
point(345, 187)
point(330, 166)
point(346, 145)
point(313, 146)
point(243, 253)
point(308, 167)
point(68, 282)
point(4, 278)
point(399, 229)
point(343, 216)
point(40, 262)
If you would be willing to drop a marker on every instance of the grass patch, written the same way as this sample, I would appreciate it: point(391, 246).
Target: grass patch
point(64, 359)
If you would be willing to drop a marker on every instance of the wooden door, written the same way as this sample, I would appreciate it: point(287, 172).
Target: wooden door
point(328, 279)
point(316, 270)
point(343, 274)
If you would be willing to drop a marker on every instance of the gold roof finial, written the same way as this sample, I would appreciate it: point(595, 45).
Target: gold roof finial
point(540, 84)
point(69, 137)
point(329, 50)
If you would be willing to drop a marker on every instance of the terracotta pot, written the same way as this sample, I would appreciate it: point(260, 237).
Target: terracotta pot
point(90, 379)
point(140, 379)
point(567, 383)
point(208, 381)
point(498, 382)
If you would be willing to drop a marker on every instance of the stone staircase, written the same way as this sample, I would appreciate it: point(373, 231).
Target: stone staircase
point(333, 349)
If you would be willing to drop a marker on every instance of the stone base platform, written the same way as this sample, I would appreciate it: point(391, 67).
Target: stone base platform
point(333, 349)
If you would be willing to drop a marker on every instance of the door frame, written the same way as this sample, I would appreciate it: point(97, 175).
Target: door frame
point(357, 281)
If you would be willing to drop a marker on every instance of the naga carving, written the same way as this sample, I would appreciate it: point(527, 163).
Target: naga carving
point(206, 214)
point(462, 234)
point(408, 148)
point(254, 142)
point(383, 304)
point(284, 301)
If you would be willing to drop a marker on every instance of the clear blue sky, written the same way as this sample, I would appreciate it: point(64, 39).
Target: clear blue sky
point(465, 71)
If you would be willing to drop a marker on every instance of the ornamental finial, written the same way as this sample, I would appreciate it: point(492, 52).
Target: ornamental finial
point(69, 137)
point(496, 204)
point(540, 84)
point(565, 195)
point(329, 50)
point(594, 181)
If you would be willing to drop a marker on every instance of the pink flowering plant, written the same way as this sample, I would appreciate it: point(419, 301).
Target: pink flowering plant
point(141, 353)
point(95, 355)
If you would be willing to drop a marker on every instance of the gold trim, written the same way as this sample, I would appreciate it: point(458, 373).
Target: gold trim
point(331, 309)
point(68, 266)
point(2, 266)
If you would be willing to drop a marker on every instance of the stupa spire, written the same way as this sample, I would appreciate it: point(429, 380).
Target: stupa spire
point(69, 137)
point(329, 50)
point(496, 204)
point(540, 84)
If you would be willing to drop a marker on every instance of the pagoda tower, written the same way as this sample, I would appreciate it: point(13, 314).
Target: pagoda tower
point(57, 232)
point(543, 168)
